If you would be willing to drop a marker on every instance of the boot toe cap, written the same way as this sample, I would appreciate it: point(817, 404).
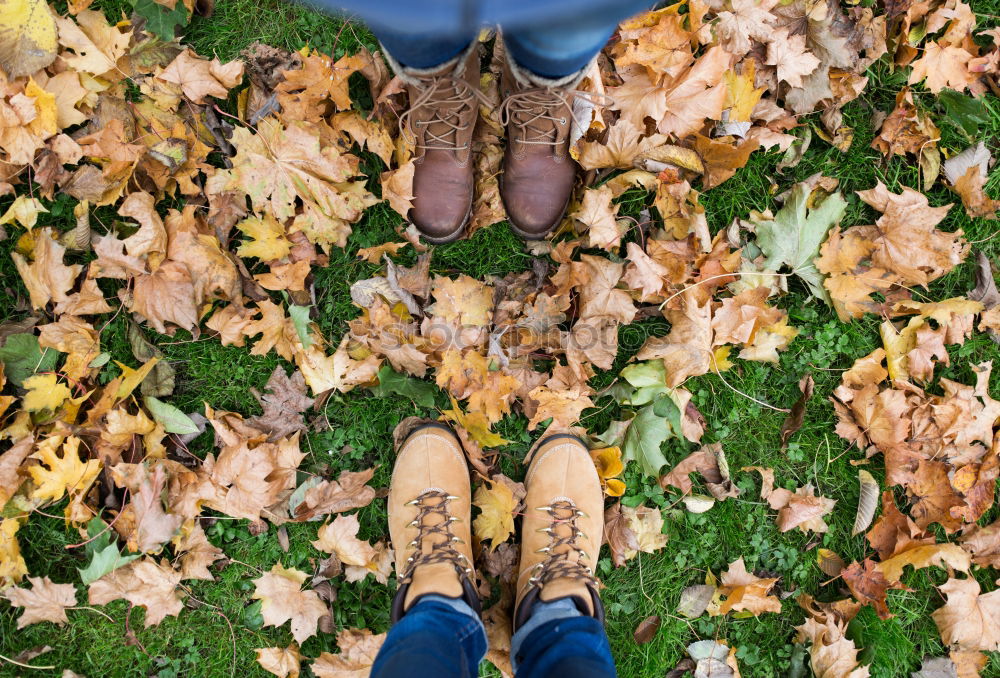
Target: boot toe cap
point(534, 221)
point(440, 221)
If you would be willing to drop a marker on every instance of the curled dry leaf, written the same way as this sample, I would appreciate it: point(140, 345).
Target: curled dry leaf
point(646, 630)
point(745, 592)
point(867, 502)
point(830, 562)
point(793, 422)
point(621, 539)
point(358, 649)
point(284, 662)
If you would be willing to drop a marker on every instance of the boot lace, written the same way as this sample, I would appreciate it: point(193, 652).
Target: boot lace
point(442, 550)
point(558, 564)
point(448, 98)
point(537, 113)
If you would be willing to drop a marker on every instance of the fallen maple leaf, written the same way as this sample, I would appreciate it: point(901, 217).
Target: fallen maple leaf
point(598, 214)
point(496, 503)
point(969, 620)
point(61, 474)
point(145, 583)
point(282, 600)
point(646, 524)
point(284, 662)
point(283, 403)
point(745, 592)
point(358, 649)
point(831, 653)
point(200, 78)
point(340, 538)
point(44, 601)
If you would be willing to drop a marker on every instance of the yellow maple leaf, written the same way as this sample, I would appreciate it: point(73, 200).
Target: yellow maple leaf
point(12, 566)
point(720, 358)
point(65, 474)
point(496, 518)
point(608, 461)
point(44, 393)
point(44, 125)
point(131, 378)
point(28, 40)
point(476, 424)
point(741, 96)
point(268, 238)
point(24, 210)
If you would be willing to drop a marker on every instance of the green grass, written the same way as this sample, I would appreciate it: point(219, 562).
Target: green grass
point(217, 633)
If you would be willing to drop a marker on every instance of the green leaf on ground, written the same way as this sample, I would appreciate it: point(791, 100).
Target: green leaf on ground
point(160, 381)
point(795, 234)
point(967, 111)
point(21, 357)
point(391, 382)
point(300, 318)
point(103, 551)
point(161, 21)
point(649, 380)
point(643, 438)
point(173, 420)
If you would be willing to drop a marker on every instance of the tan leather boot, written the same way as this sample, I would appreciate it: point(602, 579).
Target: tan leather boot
point(430, 499)
point(561, 529)
point(538, 172)
point(444, 105)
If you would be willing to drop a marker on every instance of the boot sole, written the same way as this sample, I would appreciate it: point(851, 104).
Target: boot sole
point(451, 237)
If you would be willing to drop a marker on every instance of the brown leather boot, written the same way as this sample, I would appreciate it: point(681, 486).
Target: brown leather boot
point(444, 105)
point(538, 172)
point(430, 499)
point(561, 530)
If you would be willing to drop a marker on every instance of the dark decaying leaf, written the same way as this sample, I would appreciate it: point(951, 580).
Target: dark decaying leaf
point(160, 381)
point(646, 630)
point(793, 422)
point(683, 668)
point(618, 535)
point(284, 400)
point(867, 502)
point(830, 562)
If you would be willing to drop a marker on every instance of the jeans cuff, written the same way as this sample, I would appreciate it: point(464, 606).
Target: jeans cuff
point(459, 606)
point(543, 612)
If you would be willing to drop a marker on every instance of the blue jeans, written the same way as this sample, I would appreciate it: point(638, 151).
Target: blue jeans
point(551, 49)
point(444, 638)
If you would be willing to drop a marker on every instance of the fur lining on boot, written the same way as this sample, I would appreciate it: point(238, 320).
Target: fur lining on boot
point(527, 79)
point(411, 75)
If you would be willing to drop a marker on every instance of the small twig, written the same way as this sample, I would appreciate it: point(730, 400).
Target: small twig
point(92, 609)
point(718, 373)
point(26, 666)
point(240, 562)
point(128, 630)
point(106, 527)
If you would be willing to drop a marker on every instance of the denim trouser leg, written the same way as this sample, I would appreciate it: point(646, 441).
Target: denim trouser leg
point(559, 642)
point(438, 637)
point(444, 638)
point(552, 50)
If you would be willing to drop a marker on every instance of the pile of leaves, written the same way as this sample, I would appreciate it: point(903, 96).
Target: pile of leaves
point(228, 183)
